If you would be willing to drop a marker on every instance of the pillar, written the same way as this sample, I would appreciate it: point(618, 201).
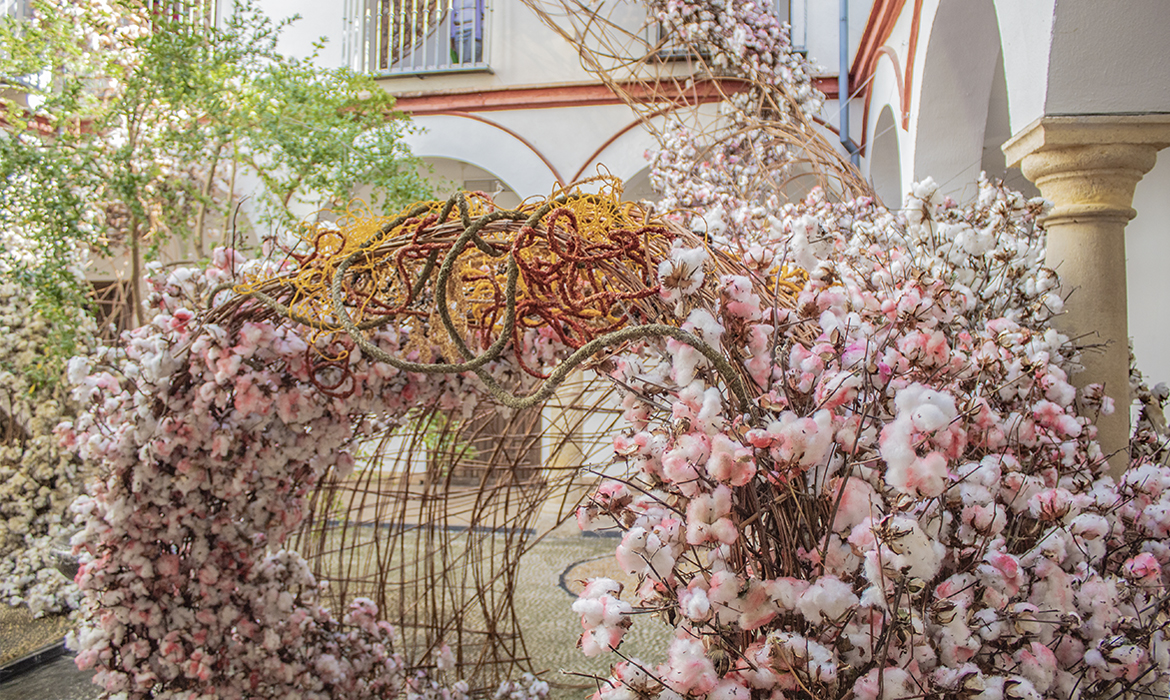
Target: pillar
point(1088, 166)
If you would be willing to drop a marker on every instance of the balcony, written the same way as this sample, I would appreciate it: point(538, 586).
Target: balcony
point(416, 37)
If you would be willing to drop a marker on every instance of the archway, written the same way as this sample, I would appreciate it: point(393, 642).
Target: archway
point(950, 99)
point(885, 160)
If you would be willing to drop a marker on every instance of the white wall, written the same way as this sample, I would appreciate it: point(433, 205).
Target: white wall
point(318, 19)
point(1147, 240)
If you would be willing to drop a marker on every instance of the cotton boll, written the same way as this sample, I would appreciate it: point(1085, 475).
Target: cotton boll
point(828, 599)
point(858, 502)
point(894, 683)
point(730, 462)
point(728, 689)
point(688, 670)
point(682, 273)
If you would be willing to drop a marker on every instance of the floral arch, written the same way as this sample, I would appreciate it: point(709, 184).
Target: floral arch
point(856, 467)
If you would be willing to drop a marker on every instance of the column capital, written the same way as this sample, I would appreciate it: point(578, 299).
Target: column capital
point(1088, 166)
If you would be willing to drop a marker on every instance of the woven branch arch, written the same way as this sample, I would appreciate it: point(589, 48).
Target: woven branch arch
point(227, 435)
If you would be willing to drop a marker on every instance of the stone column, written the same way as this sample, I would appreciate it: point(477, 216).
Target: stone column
point(1088, 167)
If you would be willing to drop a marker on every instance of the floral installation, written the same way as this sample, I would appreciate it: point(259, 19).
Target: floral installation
point(209, 426)
point(914, 505)
point(208, 439)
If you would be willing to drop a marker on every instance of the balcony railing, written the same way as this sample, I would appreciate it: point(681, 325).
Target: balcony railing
point(192, 13)
point(410, 37)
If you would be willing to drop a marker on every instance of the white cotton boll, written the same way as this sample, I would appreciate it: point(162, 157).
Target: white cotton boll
point(827, 599)
point(682, 273)
point(928, 417)
point(803, 252)
point(694, 604)
point(988, 624)
point(705, 326)
point(786, 592)
point(913, 547)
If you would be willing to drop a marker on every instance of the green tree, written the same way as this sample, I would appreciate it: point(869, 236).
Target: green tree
point(125, 129)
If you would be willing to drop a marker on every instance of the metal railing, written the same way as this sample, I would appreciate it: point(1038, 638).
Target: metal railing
point(409, 37)
point(194, 13)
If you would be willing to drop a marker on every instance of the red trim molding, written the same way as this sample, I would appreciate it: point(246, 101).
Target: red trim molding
point(878, 28)
point(908, 83)
point(582, 95)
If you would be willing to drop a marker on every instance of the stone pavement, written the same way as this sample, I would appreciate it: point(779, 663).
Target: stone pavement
point(549, 579)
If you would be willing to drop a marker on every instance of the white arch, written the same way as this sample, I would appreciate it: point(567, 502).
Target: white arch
point(885, 95)
point(625, 156)
point(1025, 30)
point(885, 160)
point(954, 71)
point(484, 145)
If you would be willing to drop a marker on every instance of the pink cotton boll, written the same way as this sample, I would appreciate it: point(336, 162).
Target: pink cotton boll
point(707, 518)
point(1143, 567)
point(226, 368)
point(679, 470)
point(688, 670)
point(893, 684)
point(597, 587)
point(686, 363)
point(599, 641)
point(755, 668)
point(250, 399)
point(1053, 417)
point(924, 476)
point(984, 520)
point(1002, 572)
point(730, 462)
point(689, 403)
point(631, 553)
point(723, 592)
point(762, 439)
point(836, 390)
point(1037, 663)
point(756, 606)
point(857, 503)
point(1017, 489)
point(759, 366)
point(710, 417)
point(1050, 505)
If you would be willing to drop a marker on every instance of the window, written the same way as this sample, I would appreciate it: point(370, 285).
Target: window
point(389, 37)
point(17, 9)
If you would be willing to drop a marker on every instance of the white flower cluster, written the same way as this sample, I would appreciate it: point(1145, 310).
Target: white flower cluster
point(37, 480)
point(915, 505)
point(208, 437)
point(744, 37)
point(721, 174)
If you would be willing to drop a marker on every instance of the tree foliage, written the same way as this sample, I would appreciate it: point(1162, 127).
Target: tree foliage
point(127, 129)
